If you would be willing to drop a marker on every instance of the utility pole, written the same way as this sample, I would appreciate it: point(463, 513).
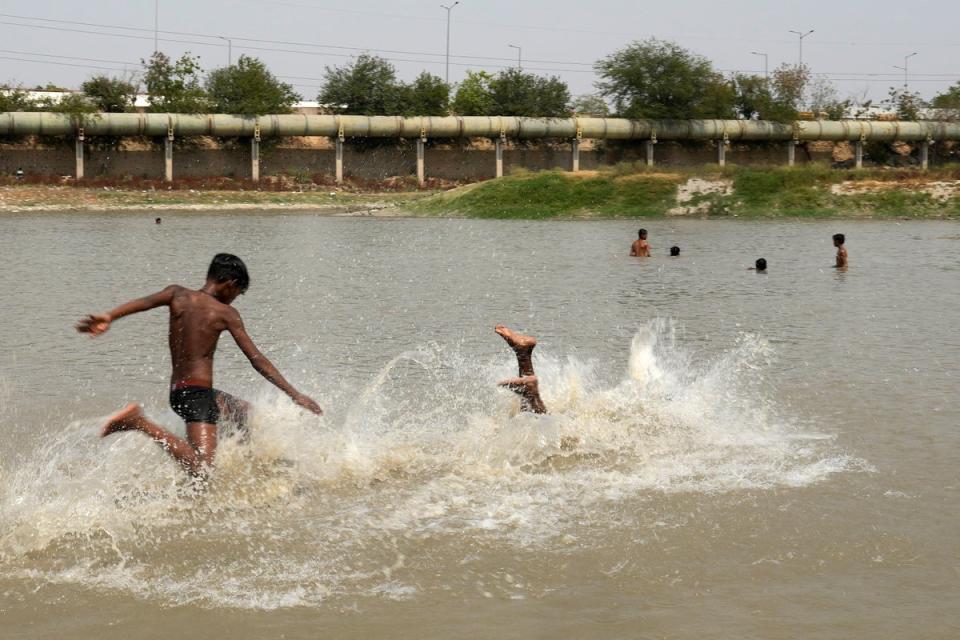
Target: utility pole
point(801, 36)
point(766, 65)
point(519, 56)
point(906, 72)
point(449, 9)
point(156, 24)
point(229, 50)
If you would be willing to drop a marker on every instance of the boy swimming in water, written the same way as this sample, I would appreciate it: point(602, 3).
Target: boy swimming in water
point(838, 240)
point(197, 318)
point(526, 384)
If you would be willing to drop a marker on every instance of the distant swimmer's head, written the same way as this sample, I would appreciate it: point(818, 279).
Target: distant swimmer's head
point(157, 221)
point(761, 264)
point(838, 239)
point(643, 234)
point(230, 275)
point(674, 251)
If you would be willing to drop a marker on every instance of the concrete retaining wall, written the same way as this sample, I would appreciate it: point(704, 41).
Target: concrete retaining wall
point(373, 164)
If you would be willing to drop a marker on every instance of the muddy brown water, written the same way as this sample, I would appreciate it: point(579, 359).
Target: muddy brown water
point(759, 455)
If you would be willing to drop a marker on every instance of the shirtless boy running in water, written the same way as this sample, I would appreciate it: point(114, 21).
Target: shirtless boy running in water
point(197, 318)
point(526, 384)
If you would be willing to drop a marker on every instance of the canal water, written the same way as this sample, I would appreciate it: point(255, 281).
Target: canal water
point(757, 455)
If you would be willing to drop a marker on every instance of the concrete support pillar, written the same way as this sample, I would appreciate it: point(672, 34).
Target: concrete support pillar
point(648, 147)
point(421, 169)
point(721, 153)
point(79, 157)
point(791, 153)
point(925, 155)
point(576, 155)
point(168, 159)
point(255, 159)
point(339, 149)
point(499, 151)
point(858, 153)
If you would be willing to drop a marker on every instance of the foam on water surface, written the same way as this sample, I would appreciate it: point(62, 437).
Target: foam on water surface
point(308, 510)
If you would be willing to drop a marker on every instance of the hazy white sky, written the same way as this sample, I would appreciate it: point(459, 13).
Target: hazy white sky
point(857, 43)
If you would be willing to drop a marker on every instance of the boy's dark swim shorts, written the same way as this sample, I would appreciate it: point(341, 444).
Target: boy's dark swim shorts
point(195, 404)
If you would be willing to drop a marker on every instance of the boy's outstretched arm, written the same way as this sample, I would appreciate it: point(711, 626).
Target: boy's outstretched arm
point(264, 367)
point(98, 323)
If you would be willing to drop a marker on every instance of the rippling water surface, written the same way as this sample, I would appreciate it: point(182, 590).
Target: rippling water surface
point(758, 455)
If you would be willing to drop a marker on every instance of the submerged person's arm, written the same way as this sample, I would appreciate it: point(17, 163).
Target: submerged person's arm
point(264, 367)
point(98, 323)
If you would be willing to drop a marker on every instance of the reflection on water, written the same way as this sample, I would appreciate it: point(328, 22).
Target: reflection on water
point(737, 437)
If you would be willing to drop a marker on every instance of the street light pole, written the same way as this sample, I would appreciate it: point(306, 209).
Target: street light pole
point(519, 56)
point(906, 73)
point(229, 50)
point(449, 9)
point(801, 36)
point(766, 66)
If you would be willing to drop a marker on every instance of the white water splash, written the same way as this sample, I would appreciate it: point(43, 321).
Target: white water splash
point(310, 509)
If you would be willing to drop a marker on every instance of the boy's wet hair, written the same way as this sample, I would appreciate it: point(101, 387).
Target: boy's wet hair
point(226, 267)
point(642, 233)
point(674, 250)
point(761, 264)
point(839, 237)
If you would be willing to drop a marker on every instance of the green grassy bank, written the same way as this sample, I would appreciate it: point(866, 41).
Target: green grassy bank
point(633, 191)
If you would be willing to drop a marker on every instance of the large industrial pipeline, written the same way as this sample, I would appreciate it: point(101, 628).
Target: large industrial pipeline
point(222, 125)
point(500, 128)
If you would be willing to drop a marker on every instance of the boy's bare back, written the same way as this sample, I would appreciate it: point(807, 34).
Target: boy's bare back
point(640, 248)
point(196, 321)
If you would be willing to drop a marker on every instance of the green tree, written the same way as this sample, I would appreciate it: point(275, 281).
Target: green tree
point(512, 93)
point(590, 105)
point(248, 88)
point(110, 95)
point(473, 95)
point(367, 86)
point(754, 99)
point(948, 102)
point(515, 93)
point(659, 79)
point(75, 104)
point(428, 95)
point(907, 104)
point(174, 87)
point(949, 99)
point(790, 85)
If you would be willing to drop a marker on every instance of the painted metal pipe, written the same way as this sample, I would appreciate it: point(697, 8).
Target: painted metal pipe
point(223, 125)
